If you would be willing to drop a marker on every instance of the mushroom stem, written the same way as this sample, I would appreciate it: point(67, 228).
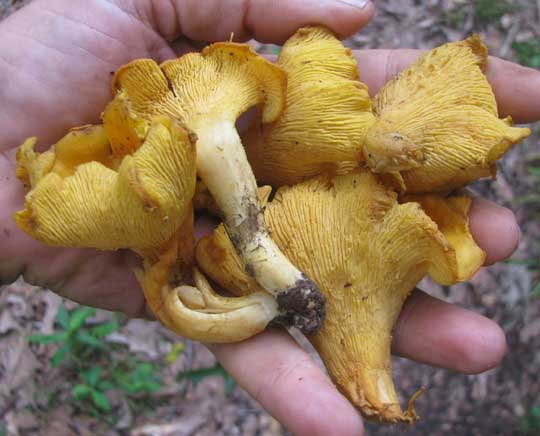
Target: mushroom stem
point(223, 166)
point(238, 319)
point(198, 312)
point(215, 302)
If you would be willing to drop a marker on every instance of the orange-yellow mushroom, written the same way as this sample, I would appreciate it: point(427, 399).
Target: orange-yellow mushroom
point(437, 125)
point(82, 200)
point(367, 252)
point(326, 117)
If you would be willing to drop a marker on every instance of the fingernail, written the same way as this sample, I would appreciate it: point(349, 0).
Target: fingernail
point(359, 4)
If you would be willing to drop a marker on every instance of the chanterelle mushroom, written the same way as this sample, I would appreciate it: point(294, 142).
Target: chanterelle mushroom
point(326, 117)
point(82, 197)
point(85, 193)
point(437, 123)
point(208, 92)
point(367, 252)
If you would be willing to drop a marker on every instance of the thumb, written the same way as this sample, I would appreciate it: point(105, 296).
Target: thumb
point(268, 21)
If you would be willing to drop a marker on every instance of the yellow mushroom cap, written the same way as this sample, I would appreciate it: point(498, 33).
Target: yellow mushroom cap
point(79, 145)
point(125, 129)
point(83, 201)
point(207, 91)
point(222, 82)
point(366, 252)
point(437, 123)
point(326, 117)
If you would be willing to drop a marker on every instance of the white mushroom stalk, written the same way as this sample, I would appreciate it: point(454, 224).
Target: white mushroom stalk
point(222, 165)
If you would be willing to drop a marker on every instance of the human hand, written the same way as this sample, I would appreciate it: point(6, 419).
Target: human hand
point(61, 80)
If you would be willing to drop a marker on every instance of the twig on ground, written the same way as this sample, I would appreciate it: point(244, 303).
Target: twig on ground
point(469, 24)
point(508, 41)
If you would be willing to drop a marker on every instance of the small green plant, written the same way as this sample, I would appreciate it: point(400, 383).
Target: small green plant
point(77, 342)
point(95, 366)
point(530, 423)
point(532, 199)
point(528, 52)
point(91, 392)
point(197, 375)
point(491, 11)
point(485, 12)
point(137, 380)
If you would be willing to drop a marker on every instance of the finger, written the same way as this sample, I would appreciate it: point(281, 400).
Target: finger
point(441, 334)
point(494, 228)
point(284, 379)
point(267, 21)
point(517, 88)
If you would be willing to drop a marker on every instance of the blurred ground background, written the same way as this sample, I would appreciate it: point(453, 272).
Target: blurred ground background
point(86, 372)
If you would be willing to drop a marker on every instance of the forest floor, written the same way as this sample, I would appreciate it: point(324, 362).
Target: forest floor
point(142, 360)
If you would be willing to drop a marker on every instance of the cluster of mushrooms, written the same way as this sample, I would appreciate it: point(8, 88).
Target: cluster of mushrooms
point(363, 203)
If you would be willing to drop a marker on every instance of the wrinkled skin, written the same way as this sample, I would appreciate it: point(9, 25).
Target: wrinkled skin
point(56, 57)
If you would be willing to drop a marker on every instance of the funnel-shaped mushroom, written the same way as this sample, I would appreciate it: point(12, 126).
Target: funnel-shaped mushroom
point(437, 123)
point(84, 193)
point(367, 252)
point(208, 92)
point(84, 199)
point(327, 113)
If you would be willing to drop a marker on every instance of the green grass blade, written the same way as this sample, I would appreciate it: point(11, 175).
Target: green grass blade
point(197, 375)
point(88, 339)
point(80, 392)
point(60, 355)
point(529, 199)
point(79, 317)
point(100, 400)
point(47, 339)
point(92, 375)
point(104, 329)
